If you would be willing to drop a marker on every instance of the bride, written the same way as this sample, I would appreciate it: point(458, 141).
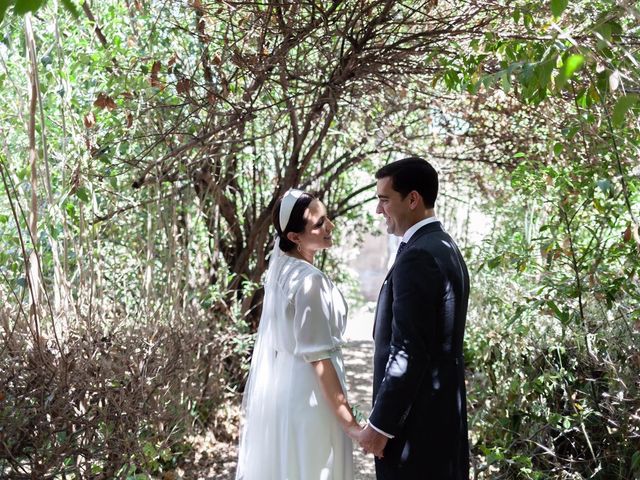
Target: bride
point(298, 424)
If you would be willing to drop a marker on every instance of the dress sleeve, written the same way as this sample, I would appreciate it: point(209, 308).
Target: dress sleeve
point(312, 318)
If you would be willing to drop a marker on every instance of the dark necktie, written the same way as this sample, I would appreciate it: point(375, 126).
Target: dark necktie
point(402, 246)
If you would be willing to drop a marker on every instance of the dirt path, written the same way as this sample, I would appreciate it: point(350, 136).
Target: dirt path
point(358, 359)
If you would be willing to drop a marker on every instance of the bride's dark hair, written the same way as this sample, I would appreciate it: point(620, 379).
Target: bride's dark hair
point(296, 222)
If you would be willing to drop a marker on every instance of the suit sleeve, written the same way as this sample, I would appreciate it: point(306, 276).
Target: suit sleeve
point(417, 293)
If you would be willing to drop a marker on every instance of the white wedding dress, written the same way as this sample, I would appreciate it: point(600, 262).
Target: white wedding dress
point(290, 431)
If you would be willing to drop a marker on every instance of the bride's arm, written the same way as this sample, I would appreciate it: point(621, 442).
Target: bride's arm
point(332, 389)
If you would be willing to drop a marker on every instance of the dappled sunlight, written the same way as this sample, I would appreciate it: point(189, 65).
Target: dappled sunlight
point(398, 364)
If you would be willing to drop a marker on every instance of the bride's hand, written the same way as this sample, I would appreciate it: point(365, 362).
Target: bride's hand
point(354, 431)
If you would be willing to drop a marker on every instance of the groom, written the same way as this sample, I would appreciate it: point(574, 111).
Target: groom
point(418, 425)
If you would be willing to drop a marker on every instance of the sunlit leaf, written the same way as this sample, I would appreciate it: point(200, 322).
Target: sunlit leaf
point(569, 67)
point(558, 6)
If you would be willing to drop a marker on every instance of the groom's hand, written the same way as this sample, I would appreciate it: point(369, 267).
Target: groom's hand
point(372, 441)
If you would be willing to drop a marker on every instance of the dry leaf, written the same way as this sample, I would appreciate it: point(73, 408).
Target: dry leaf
point(155, 69)
point(183, 86)
point(105, 101)
point(89, 120)
point(197, 6)
point(129, 120)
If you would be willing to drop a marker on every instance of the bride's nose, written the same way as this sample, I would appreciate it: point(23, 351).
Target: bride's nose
point(330, 225)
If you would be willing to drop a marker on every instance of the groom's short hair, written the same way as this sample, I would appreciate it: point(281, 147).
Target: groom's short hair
point(412, 173)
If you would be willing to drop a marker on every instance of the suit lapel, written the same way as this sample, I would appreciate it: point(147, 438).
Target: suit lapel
point(425, 230)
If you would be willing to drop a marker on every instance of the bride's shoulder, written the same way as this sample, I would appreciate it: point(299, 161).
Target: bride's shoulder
point(296, 273)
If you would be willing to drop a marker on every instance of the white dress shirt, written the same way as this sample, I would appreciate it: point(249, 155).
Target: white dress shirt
point(405, 238)
point(414, 228)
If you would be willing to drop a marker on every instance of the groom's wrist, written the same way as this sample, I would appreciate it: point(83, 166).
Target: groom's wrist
point(382, 432)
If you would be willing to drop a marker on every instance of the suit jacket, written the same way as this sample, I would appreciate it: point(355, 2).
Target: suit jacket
point(418, 387)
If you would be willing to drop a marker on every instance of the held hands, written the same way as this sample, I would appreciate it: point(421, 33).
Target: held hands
point(354, 431)
point(372, 441)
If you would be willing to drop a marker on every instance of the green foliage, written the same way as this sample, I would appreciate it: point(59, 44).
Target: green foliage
point(623, 105)
point(21, 7)
point(553, 341)
point(558, 6)
point(556, 317)
point(162, 145)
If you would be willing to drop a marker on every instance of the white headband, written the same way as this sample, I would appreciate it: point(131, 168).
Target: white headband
point(289, 199)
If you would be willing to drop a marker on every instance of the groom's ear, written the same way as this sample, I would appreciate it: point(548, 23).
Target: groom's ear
point(415, 199)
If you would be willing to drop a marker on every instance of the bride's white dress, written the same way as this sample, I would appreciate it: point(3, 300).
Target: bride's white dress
point(307, 441)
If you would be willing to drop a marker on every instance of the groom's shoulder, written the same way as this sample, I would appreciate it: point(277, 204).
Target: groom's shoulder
point(433, 245)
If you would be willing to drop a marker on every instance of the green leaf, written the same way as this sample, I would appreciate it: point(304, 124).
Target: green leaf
point(558, 6)
point(606, 187)
point(623, 105)
point(605, 31)
point(149, 450)
point(71, 7)
point(494, 262)
point(24, 6)
point(506, 82)
point(4, 6)
point(83, 194)
point(569, 67)
point(573, 63)
point(516, 15)
point(561, 315)
point(518, 313)
point(557, 149)
point(635, 461)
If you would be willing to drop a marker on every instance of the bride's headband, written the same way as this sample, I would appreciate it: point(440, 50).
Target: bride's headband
point(289, 199)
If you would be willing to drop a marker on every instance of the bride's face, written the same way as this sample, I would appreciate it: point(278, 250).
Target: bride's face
point(318, 228)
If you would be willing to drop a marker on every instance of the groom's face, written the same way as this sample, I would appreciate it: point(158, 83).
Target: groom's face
point(392, 206)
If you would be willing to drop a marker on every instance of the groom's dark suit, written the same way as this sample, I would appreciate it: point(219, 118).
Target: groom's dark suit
point(418, 387)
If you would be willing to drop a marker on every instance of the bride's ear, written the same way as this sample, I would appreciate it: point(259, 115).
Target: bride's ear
point(293, 237)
